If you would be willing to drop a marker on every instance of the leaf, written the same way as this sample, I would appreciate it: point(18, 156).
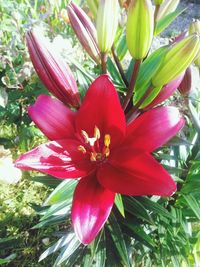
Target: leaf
point(122, 47)
point(67, 251)
point(46, 180)
point(193, 204)
point(164, 22)
point(62, 192)
point(54, 220)
point(8, 259)
point(100, 255)
point(194, 116)
point(133, 206)
point(61, 208)
point(118, 239)
point(63, 241)
point(119, 204)
point(3, 97)
point(147, 69)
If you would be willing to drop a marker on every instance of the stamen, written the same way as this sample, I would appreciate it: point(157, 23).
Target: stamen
point(82, 149)
point(96, 133)
point(93, 156)
point(85, 136)
point(107, 140)
point(106, 151)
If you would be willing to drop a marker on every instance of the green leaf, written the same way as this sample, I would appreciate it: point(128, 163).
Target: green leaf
point(67, 251)
point(119, 204)
point(193, 204)
point(100, 255)
point(46, 180)
point(63, 191)
point(118, 239)
point(147, 69)
point(163, 23)
point(63, 241)
point(54, 220)
point(61, 208)
point(133, 206)
point(122, 47)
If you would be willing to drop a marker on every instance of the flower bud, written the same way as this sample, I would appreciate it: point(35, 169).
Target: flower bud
point(158, 2)
point(177, 59)
point(107, 22)
point(167, 7)
point(93, 5)
point(195, 27)
point(139, 28)
point(186, 84)
point(166, 91)
point(84, 30)
point(51, 69)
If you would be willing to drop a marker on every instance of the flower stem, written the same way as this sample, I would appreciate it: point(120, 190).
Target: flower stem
point(132, 83)
point(103, 63)
point(135, 109)
point(119, 66)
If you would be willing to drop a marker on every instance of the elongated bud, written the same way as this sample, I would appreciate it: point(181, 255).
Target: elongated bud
point(93, 5)
point(84, 30)
point(195, 27)
point(177, 59)
point(158, 2)
point(167, 7)
point(186, 84)
point(51, 69)
point(139, 28)
point(107, 22)
point(167, 91)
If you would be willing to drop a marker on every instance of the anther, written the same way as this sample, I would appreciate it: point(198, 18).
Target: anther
point(96, 133)
point(106, 151)
point(85, 136)
point(82, 149)
point(93, 156)
point(107, 140)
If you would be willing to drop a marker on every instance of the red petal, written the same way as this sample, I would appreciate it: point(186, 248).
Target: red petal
point(154, 128)
point(91, 207)
point(58, 158)
point(136, 175)
point(53, 118)
point(101, 108)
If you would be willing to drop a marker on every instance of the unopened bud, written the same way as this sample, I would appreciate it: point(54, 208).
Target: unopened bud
point(195, 27)
point(84, 30)
point(107, 22)
point(167, 7)
point(139, 28)
point(93, 5)
point(186, 84)
point(51, 69)
point(177, 59)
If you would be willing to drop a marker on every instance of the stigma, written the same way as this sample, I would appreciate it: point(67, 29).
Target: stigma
point(97, 146)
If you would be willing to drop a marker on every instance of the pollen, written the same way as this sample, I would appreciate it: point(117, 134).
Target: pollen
point(93, 156)
point(82, 149)
point(96, 133)
point(107, 140)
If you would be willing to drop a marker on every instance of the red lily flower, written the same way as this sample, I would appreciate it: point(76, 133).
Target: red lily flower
point(96, 145)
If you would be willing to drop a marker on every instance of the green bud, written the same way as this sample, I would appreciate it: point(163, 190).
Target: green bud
point(177, 59)
point(158, 2)
point(167, 7)
point(107, 22)
point(93, 5)
point(195, 26)
point(139, 28)
point(197, 60)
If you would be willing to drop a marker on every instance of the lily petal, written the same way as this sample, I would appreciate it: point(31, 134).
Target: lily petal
point(101, 108)
point(153, 129)
point(58, 158)
point(91, 207)
point(53, 118)
point(136, 175)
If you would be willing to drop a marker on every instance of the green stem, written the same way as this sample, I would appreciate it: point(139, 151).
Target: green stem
point(103, 63)
point(119, 66)
point(132, 83)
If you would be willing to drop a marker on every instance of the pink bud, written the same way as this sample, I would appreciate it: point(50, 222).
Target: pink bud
point(52, 70)
point(186, 84)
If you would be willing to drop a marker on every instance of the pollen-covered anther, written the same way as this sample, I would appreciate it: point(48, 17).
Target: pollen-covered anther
point(82, 149)
point(93, 156)
point(106, 151)
point(107, 140)
point(97, 134)
point(85, 136)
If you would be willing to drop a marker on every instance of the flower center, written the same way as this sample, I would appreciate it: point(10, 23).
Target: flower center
point(97, 150)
